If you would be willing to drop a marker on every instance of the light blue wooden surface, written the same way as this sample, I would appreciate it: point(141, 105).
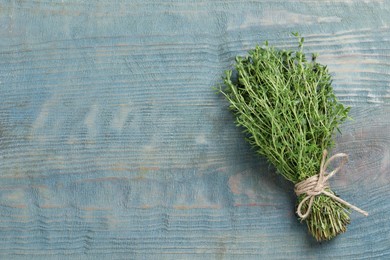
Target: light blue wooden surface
point(114, 146)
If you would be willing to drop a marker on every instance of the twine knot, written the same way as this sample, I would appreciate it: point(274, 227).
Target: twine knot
point(317, 185)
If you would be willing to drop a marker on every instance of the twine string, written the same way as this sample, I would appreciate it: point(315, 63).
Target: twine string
point(317, 185)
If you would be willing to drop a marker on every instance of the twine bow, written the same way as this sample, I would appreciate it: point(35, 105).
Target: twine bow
point(316, 185)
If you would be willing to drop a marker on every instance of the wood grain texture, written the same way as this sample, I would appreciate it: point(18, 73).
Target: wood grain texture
point(113, 144)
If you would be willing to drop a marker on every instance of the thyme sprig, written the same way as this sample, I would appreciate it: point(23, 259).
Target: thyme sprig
point(287, 107)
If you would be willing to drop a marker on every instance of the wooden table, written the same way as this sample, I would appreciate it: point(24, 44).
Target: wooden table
point(113, 144)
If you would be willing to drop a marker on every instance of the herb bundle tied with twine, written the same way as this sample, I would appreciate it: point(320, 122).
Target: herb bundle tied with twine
point(287, 107)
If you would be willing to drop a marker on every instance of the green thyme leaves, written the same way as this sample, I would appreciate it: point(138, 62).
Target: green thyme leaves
point(286, 105)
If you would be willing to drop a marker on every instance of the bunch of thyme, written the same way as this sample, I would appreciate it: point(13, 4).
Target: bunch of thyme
point(289, 111)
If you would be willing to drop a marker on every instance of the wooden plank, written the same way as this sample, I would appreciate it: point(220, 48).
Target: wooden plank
point(114, 145)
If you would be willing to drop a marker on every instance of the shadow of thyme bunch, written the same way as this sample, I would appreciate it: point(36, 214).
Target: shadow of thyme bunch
point(289, 111)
